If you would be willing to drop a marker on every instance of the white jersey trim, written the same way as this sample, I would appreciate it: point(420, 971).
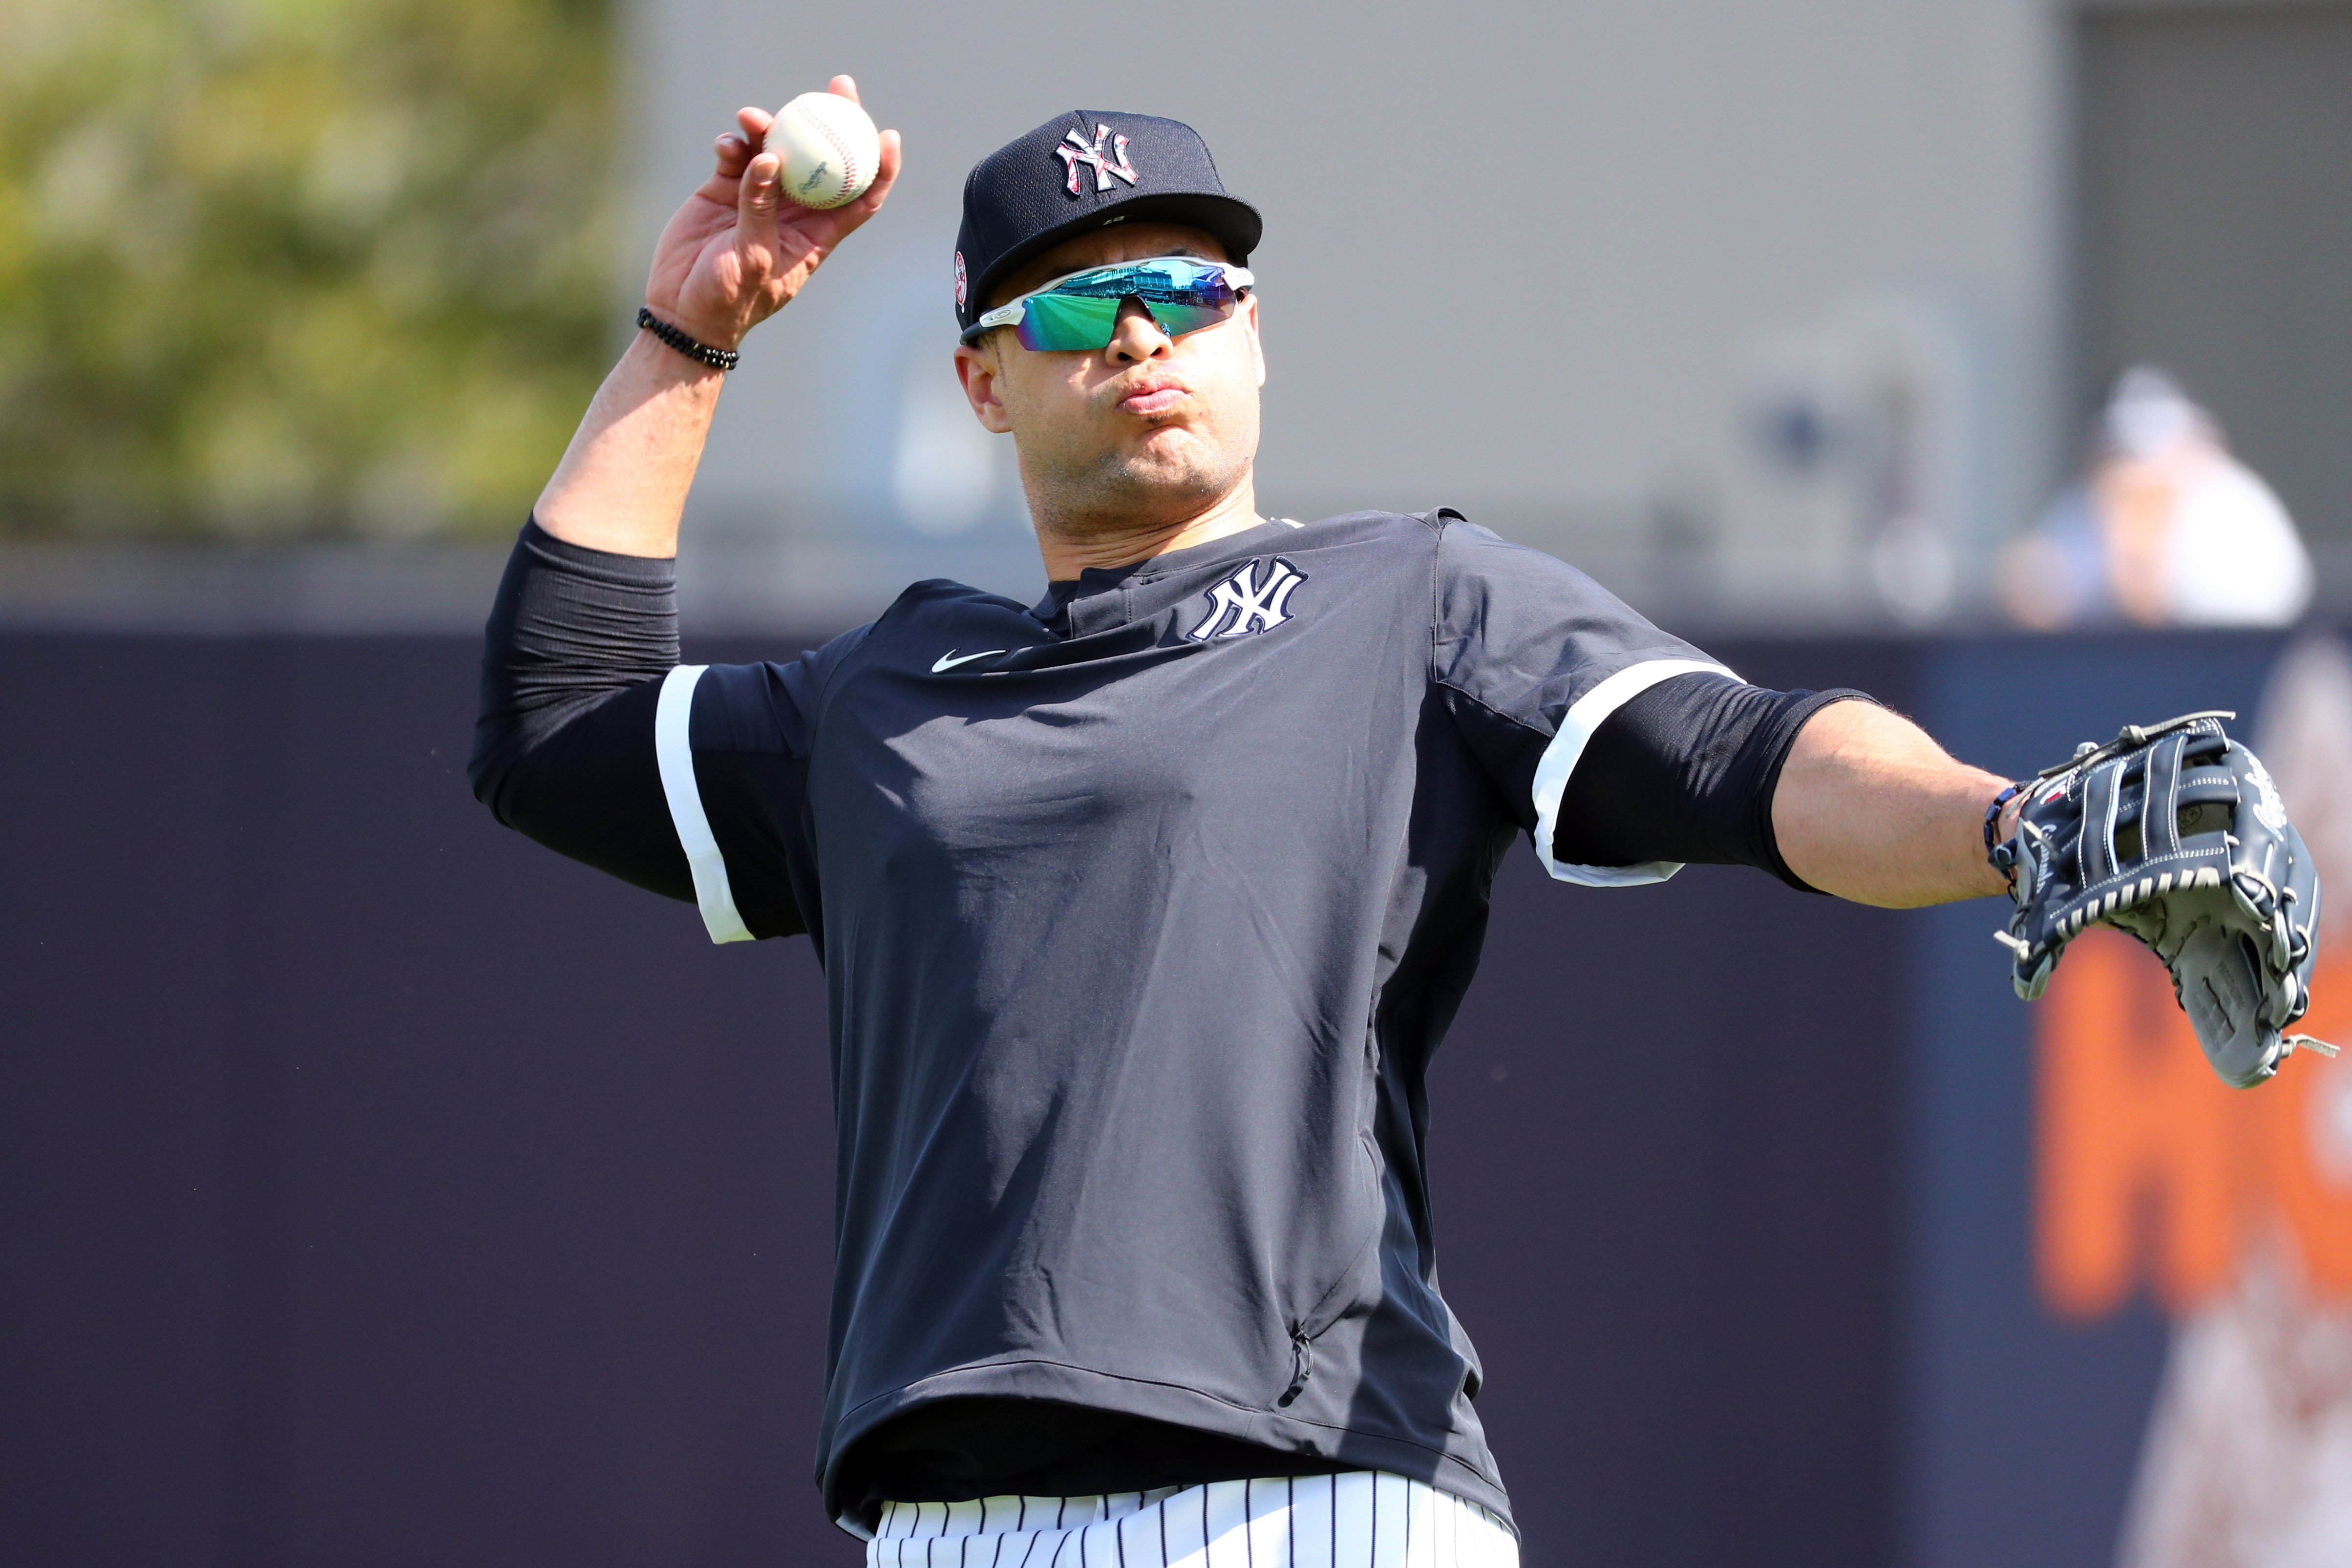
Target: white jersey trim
point(675, 752)
point(1560, 759)
point(1361, 1519)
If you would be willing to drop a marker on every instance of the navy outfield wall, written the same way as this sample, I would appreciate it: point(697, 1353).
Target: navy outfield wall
point(2022, 1428)
point(376, 1187)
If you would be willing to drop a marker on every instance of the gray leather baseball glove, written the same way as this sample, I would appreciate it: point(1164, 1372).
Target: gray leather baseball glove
point(2175, 834)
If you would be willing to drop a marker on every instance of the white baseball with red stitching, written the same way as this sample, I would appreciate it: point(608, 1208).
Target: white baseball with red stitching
point(829, 149)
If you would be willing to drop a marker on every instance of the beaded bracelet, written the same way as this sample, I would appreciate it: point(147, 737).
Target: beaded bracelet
point(717, 359)
point(2004, 863)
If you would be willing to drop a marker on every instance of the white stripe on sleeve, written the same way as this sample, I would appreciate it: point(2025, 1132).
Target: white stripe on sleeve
point(675, 753)
point(1576, 727)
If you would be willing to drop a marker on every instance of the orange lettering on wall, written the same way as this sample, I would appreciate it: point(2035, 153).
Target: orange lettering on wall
point(2133, 1137)
point(2306, 1138)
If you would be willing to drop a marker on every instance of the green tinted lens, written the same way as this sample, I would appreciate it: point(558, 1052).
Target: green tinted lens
point(1058, 324)
point(1177, 320)
point(1081, 312)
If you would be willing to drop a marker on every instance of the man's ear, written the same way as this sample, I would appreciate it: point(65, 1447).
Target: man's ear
point(1257, 347)
point(981, 371)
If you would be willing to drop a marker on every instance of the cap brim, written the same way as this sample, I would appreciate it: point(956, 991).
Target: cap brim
point(1234, 222)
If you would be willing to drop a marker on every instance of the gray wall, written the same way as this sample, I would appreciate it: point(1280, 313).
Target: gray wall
point(1553, 264)
point(1705, 297)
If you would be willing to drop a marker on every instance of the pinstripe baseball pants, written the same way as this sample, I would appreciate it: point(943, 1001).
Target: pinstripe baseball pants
point(1364, 1519)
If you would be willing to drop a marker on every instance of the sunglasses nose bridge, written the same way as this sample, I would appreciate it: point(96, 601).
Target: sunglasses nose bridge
point(1143, 312)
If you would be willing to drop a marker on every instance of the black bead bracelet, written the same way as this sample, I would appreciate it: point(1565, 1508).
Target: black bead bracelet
point(1999, 855)
point(718, 359)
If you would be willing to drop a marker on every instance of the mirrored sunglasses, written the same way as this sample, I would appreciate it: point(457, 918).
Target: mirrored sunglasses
point(1081, 310)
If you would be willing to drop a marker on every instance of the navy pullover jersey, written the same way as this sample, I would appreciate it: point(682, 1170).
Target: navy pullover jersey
point(1141, 913)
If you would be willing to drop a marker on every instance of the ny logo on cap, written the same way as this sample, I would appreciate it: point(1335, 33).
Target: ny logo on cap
point(1078, 150)
point(1255, 599)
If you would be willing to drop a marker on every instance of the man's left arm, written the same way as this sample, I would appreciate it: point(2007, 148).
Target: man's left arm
point(1868, 808)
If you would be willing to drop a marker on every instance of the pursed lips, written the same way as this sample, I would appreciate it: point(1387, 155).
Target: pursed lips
point(1152, 397)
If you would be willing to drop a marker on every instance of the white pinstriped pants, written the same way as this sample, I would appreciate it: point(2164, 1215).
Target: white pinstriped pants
point(1364, 1519)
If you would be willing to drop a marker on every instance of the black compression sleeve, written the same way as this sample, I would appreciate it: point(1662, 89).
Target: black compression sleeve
point(572, 662)
point(1685, 771)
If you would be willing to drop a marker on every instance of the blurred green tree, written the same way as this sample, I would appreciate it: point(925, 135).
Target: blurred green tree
point(299, 267)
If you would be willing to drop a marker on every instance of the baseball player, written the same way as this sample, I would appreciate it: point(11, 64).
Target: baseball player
point(1141, 908)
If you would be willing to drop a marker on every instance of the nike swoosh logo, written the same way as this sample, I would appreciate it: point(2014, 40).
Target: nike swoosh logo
point(948, 660)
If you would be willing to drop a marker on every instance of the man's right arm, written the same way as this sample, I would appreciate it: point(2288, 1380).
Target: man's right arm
point(574, 659)
point(732, 256)
point(584, 630)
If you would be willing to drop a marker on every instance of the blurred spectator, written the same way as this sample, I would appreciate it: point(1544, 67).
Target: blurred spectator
point(2166, 530)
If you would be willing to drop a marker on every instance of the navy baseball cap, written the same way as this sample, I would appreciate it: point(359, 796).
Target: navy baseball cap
point(1088, 169)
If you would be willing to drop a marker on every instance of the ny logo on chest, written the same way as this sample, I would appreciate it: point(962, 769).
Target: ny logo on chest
point(1256, 598)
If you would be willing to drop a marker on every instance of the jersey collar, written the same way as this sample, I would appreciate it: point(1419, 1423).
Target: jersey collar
point(1061, 594)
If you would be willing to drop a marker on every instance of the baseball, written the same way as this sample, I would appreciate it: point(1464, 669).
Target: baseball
point(829, 149)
